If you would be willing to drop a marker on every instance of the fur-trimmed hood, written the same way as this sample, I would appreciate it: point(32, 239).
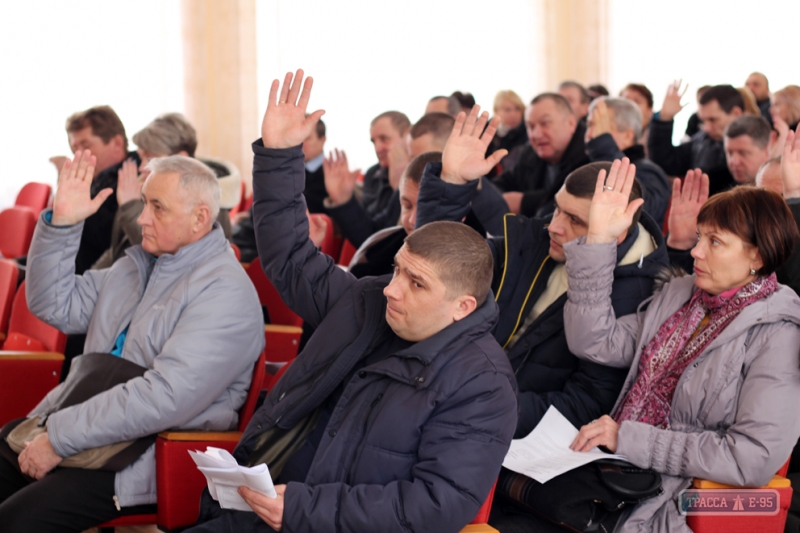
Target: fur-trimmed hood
point(230, 180)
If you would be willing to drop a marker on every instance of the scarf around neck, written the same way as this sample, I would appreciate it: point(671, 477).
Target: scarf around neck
point(678, 342)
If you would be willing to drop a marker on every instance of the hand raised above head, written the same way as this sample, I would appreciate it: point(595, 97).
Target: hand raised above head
point(128, 185)
point(599, 121)
point(672, 101)
point(73, 201)
point(610, 214)
point(464, 157)
point(687, 199)
point(285, 123)
point(790, 165)
point(339, 180)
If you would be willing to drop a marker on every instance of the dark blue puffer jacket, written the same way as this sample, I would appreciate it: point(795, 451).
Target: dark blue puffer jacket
point(416, 440)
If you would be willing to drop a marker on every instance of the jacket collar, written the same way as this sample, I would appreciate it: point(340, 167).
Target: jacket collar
point(634, 153)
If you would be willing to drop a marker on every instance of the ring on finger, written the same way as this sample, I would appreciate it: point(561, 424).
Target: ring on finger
point(606, 188)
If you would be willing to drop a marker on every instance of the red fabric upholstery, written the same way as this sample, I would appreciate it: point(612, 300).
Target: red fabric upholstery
point(348, 251)
point(281, 345)
point(24, 382)
point(34, 195)
point(19, 342)
point(279, 312)
point(272, 380)
point(23, 321)
point(16, 231)
point(483, 513)
point(9, 275)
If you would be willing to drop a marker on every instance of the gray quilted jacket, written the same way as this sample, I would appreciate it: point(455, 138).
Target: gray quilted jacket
point(734, 414)
point(195, 323)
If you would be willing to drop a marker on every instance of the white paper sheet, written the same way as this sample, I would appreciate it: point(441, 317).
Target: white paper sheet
point(225, 476)
point(545, 454)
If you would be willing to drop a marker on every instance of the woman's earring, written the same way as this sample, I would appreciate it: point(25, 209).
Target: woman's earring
point(752, 272)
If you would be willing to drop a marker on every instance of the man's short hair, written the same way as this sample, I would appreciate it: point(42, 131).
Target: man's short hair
point(105, 123)
point(417, 166)
point(465, 100)
point(598, 89)
point(585, 96)
point(641, 89)
point(726, 96)
point(627, 115)
point(560, 102)
point(582, 181)
point(508, 96)
point(167, 135)
point(320, 129)
point(399, 121)
point(439, 125)
point(458, 254)
point(197, 181)
point(757, 128)
point(453, 105)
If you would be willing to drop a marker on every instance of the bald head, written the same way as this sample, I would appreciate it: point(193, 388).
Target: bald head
point(758, 83)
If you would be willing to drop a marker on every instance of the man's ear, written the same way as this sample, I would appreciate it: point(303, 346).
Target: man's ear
point(465, 305)
point(118, 142)
point(573, 122)
point(736, 112)
point(202, 216)
point(184, 153)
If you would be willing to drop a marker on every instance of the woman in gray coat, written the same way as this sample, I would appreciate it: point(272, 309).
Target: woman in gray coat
point(714, 375)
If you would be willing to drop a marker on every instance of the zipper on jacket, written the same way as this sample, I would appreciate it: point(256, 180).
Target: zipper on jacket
point(358, 449)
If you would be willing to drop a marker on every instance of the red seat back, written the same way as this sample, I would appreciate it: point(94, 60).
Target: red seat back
point(34, 195)
point(348, 251)
point(24, 381)
point(27, 326)
point(9, 274)
point(279, 312)
point(249, 406)
point(483, 513)
point(16, 231)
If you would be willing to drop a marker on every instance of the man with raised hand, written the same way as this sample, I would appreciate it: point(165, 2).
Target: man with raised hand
point(178, 304)
point(530, 280)
point(398, 413)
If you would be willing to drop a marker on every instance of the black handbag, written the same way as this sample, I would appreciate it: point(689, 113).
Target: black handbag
point(589, 499)
point(90, 374)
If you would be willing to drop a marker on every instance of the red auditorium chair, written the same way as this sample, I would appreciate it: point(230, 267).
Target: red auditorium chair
point(34, 195)
point(31, 360)
point(9, 275)
point(348, 251)
point(16, 231)
point(179, 482)
point(285, 328)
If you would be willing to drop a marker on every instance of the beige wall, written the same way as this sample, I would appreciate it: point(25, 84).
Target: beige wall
point(219, 43)
point(573, 42)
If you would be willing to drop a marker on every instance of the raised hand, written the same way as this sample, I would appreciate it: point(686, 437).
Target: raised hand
point(73, 201)
point(285, 123)
point(610, 214)
point(686, 204)
point(317, 227)
point(398, 161)
point(339, 181)
point(464, 158)
point(672, 101)
point(600, 121)
point(781, 132)
point(128, 185)
point(790, 165)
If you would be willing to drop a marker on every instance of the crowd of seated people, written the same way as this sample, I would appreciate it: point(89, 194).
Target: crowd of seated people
point(504, 266)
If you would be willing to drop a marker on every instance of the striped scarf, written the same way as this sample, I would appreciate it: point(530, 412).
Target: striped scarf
point(678, 342)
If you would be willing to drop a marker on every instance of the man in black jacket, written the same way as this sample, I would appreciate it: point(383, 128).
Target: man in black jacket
point(530, 280)
point(407, 399)
point(719, 106)
point(556, 149)
point(612, 131)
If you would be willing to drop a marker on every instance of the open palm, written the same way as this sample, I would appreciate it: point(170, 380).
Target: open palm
point(610, 214)
point(73, 201)
point(285, 123)
point(464, 157)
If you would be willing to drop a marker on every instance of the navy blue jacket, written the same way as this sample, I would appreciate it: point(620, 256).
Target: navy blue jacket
point(655, 185)
point(547, 372)
point(416, 440)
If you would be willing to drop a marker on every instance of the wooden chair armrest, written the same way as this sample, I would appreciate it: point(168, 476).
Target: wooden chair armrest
point(202, 436)
point(278, 328)
point(34, 356)
point(777, 482)
point(479, 528)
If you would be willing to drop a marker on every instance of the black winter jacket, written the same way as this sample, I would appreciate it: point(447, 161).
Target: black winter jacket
point(529, 176)
point(700, 152)
point(416, 440)
point(547, 372)
point(654, 181)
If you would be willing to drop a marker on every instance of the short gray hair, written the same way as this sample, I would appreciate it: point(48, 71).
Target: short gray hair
point(168, 135)
point(627, 115)
point(196, 179)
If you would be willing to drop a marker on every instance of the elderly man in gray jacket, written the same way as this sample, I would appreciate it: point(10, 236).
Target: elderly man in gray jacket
point(179, 305)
